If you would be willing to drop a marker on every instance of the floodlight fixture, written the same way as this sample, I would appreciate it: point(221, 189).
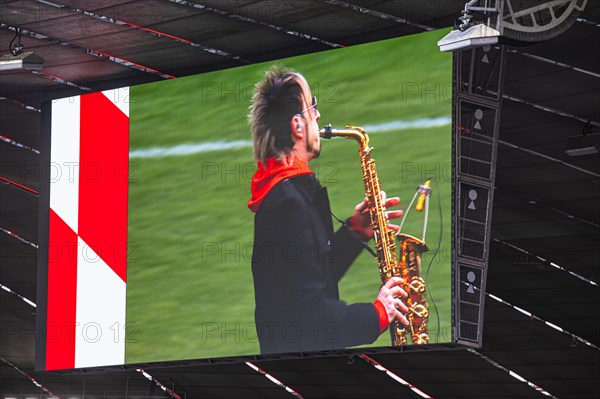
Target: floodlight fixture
point(474, 36)
point(17, 59)
point(585, 144)
point(27, 60)
point(465, 35)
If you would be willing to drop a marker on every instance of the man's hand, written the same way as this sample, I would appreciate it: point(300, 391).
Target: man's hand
point(360, 222)
point(389, 295)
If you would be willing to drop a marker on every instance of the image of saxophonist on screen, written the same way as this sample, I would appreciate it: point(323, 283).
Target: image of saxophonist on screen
point(298, 259)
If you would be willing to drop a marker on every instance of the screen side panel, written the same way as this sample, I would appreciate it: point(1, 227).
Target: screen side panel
point(87, 231)
point(42, 258)
point(62, 241)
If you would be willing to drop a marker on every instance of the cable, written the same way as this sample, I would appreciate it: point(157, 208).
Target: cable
point(274, 380)
point(539, 154)
point(18, 237)
point(534, 317)
point(115, 21)
point(95, 53)
point(21, 297)
point(588, 22)
point(439, 244)
point(238, 17)
point(512, 373)
point(20, 104)
point(17, 144)
point(354, 235)
point(394, 376)
point(30, 378)
point(60, 80)
point(18, 48)
point(170, 392)
point(12, 183)
point(547, 262)
point(377, 14)
point(553, 62)
point(408, 208)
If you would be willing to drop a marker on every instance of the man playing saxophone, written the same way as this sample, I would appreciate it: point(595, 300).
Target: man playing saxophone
point(297, 258)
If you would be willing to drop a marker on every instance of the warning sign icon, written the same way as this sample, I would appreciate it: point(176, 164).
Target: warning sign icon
point(485, 58)
point(478, 117)
point(471, 278)
point(472, 197)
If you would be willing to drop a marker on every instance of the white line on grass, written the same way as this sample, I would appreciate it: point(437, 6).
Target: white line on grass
point(190, 149)
point(414, 124)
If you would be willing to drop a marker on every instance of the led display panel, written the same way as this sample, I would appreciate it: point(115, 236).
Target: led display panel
point(150, 242)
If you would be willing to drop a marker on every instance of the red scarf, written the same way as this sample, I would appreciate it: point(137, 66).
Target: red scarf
point(267, 177)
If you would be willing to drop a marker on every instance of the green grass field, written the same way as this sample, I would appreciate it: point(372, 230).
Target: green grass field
point(189, 288)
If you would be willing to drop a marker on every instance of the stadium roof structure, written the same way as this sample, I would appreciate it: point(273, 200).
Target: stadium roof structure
point(542, 312)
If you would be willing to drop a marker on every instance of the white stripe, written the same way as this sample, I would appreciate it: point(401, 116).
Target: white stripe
point(494, 297)
point(100, 314)
point(512, 373)
point(526, 313)
point(252, 366)
point(414, 124)
point(64, 160)
point(120, 98)
point(554, 326)
point(517, 376)
point(190, 149)
point(274, 380)
point(27, 301)
point(394, 376)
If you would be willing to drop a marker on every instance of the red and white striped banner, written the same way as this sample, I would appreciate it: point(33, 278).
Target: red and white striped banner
point(87, 246)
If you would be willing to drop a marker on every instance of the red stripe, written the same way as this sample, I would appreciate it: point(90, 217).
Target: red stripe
point(14, 183)
point(145, 68)
point(62, 292)
point(103, 180)
point(157, 32)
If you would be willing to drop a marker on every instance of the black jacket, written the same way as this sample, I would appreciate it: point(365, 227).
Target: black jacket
point(297, 263)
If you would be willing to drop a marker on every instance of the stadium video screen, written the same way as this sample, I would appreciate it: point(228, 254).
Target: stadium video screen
point(151, 240)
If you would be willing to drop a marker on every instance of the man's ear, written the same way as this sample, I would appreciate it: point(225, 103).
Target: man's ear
point(296, 125)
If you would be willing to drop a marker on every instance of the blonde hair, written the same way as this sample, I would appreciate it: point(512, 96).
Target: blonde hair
point(277, 98)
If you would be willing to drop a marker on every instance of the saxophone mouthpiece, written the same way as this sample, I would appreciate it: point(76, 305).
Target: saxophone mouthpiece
point(350, 132)
point(326, 131)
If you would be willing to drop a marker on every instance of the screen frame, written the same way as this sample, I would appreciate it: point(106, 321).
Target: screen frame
point(42, 281)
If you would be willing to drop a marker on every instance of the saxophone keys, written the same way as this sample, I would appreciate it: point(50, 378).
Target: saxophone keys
point(420, 311)
point(399, 335)
point(420, 339)
point(418, 285)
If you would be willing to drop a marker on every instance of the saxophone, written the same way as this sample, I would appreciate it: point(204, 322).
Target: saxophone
point(410, 247)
